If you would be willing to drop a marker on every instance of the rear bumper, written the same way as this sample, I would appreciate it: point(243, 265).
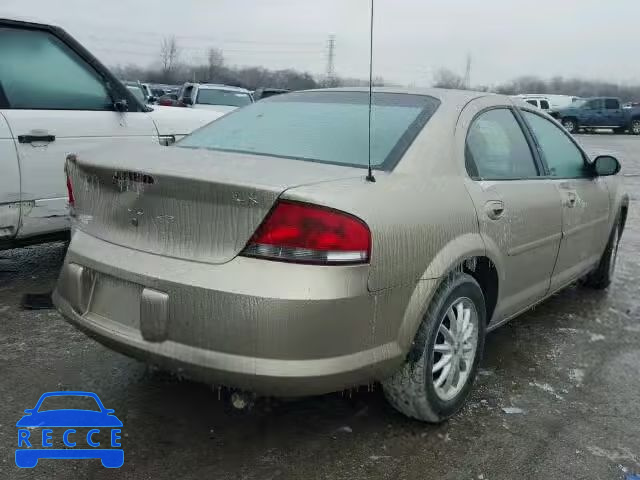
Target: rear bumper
point(268, 327)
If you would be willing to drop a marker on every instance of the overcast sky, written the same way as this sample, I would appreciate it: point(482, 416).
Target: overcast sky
point(413, 38)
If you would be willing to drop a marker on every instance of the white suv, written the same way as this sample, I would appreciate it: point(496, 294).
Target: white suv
point(56, 98)
point(210, 96)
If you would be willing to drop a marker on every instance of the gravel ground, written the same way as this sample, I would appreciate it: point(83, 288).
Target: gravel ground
point(558, 395)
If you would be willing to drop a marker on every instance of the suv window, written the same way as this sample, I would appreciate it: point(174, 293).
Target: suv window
point(564, 159)
point(38, 71)
point(595, 104)
point(544, 105)
point(497, 148)
point(611, 104)
point(533, 102)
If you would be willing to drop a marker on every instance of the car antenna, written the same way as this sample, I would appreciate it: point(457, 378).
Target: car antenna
point(370, 177)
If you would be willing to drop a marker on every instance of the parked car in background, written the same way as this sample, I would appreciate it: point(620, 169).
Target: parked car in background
point(599, 112)
point(168, 100)
point(220, 98)
point(261, 93)
point(251, 257)
point(57, 98)
point(548, 102)
point(137, 89)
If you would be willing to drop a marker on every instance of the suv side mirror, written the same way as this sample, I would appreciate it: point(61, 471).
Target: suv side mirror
point(606, 165)
point(121, 105)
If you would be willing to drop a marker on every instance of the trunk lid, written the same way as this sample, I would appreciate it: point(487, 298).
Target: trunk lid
point(192, 204)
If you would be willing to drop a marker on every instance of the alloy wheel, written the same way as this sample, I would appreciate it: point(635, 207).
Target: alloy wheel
point(455, 348)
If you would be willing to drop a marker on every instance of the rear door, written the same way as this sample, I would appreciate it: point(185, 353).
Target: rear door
point(613, 112)
point(9, 182)
point(519, 212)
point(585, 200)
point(56, 103)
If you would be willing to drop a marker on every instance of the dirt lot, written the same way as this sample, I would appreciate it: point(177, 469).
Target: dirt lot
point(558, 396)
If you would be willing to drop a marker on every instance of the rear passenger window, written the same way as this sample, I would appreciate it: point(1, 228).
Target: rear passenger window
point(37, 71)
point(564, 159)
point(611, 104)
point(544, 105)
point(497, 148)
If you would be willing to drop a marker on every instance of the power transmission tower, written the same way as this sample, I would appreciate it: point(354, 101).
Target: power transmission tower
point(331, 52)
point(467, 72)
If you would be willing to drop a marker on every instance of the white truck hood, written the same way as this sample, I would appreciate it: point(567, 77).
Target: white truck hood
point(180, 121)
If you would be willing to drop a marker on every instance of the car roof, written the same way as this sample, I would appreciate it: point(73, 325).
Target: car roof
point(217, 86)
point(441, 94)
point(26, 20)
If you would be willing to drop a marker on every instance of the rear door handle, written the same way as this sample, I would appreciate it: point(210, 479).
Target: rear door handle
point(494, 209)
point(36, 138)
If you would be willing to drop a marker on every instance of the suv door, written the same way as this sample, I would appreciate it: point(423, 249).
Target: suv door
point(57, 102)
point(9, 183)
point(519, 212)
point(592, 113)
point(585, 200)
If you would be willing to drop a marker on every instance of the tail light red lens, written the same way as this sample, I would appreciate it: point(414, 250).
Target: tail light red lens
point(72, 200)
point(305, 233)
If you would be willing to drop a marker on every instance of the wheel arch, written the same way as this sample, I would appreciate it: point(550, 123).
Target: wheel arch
point(467, 253)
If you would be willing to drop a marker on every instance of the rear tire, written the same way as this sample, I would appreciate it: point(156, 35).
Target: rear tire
point(634, 128)
point(441, 345)
point(602, 276)
point(570, 125)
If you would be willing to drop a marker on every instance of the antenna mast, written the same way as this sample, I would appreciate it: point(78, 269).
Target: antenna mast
point(370, 176)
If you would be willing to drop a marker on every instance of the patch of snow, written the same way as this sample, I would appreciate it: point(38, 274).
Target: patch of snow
point(345, 429)
point(576, 375)
point(596, 337)
point(513, 410)
point(545, 387)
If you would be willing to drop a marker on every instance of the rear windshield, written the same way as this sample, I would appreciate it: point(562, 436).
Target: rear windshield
point(208, 96)
point(328, 127)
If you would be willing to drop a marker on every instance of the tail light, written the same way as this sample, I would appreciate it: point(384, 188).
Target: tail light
point(72, 200)
point(305, 233)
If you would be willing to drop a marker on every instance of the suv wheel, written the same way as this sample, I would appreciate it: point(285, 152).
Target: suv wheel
point(635, 127)
point(602, 276)
point(570, 125)
point(439, 371)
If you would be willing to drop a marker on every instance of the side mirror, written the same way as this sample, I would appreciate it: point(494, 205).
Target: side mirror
point(29, 410)
point(606, 165)
point(109, 411)
point(187, 101)
point(121, 106)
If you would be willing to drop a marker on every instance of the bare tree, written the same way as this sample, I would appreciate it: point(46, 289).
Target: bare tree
point(215, 61)
point(169, 53)
point(447, 79)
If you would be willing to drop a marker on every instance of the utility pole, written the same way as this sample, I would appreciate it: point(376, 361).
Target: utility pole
point(467, 73)
point(331, 52)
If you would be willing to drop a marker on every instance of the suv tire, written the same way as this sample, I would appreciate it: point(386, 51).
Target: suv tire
point(570, 124)
point(417, 389)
